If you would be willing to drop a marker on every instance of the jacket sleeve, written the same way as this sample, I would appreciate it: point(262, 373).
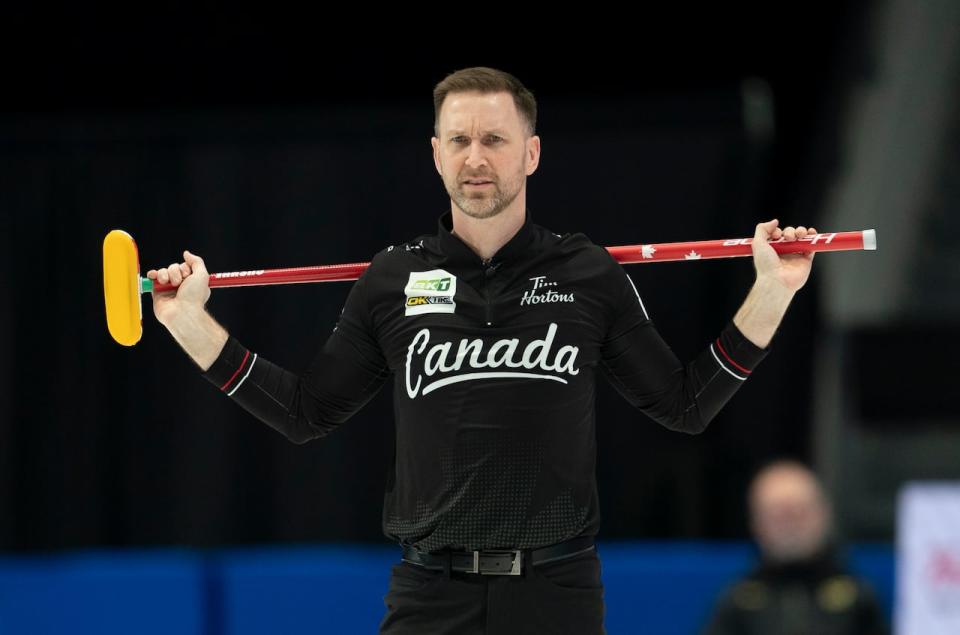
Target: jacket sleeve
point(647, 373)
point(344, 375)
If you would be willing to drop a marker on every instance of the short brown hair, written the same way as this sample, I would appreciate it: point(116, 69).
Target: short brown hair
point(485, 80)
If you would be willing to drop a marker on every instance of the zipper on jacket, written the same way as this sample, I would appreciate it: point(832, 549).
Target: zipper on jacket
point(488, 272)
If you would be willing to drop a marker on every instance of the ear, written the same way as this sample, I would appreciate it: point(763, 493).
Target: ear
point(435, 142)
point(533, 154)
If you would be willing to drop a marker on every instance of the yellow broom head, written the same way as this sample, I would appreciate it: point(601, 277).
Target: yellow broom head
point(121, 287)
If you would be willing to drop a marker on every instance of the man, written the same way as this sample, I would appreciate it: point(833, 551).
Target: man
point(799, 588)
point(494, 330)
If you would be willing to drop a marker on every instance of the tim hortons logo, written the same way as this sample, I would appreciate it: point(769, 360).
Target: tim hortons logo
point(440, 365)
point(542, 293)
point(237, 274)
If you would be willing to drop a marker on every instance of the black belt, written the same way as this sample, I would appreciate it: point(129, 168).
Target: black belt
point(498, 561)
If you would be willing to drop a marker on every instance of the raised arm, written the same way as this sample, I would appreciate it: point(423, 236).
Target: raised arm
point(647, 373)
point(686, 397)
point(344, 375)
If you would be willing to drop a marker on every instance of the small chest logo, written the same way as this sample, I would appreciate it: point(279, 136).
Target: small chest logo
point(430, 292)
point(542, 291)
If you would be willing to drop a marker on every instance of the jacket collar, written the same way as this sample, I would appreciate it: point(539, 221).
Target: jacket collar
point(459, 252)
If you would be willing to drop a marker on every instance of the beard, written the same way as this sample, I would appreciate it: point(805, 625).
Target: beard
point(486, 202)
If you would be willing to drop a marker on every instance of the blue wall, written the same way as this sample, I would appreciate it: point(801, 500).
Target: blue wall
point(668, 587)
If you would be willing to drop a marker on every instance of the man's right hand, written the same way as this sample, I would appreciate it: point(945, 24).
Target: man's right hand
point(192, 281)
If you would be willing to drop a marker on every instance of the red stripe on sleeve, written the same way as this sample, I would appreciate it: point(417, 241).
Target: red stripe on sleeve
point(739, 367)
point(236, 372)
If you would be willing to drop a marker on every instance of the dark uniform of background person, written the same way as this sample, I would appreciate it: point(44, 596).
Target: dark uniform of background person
point(493, 331)
point(800, 586)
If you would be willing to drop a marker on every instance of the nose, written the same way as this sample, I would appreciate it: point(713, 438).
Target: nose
point(476, 157)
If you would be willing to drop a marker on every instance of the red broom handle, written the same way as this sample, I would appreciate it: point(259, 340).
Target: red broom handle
point(624, 254)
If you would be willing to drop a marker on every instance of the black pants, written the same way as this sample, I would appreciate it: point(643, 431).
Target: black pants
point(564, 596)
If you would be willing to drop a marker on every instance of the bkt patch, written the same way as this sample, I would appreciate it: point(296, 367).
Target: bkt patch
point(430, 292)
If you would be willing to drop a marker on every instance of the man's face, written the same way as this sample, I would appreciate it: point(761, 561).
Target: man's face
point(790, 518)
point(484, 141)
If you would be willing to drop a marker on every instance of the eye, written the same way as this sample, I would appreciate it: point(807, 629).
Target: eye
point(495, 138)
point(458, 139)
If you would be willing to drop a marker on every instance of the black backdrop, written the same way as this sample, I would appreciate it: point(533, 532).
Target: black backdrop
point(106, 445)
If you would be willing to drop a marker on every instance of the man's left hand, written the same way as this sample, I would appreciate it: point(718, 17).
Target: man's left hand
point(789, 271)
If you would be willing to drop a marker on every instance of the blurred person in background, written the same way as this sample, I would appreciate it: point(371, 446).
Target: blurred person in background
point(800, 587)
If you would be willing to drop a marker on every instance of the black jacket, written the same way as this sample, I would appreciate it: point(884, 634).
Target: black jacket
point(810, 597)
point(494, 366)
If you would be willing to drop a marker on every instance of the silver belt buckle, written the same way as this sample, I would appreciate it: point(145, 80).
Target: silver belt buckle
point(514, 567)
